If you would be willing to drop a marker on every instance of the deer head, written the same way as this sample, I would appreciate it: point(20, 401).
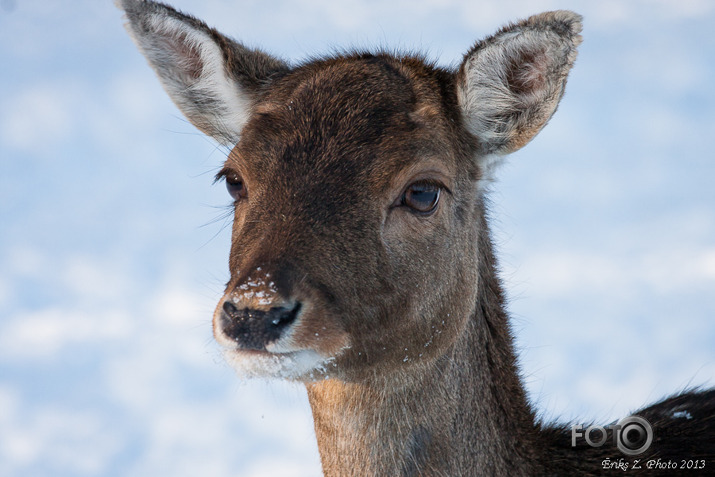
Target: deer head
point(357, 181)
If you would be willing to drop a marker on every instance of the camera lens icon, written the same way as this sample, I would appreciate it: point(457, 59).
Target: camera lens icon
point(634, 435)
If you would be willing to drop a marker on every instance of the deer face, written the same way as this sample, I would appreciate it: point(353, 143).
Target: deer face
point(357, 185)
point(347, 171)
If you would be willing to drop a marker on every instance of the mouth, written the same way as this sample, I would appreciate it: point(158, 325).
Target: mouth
point(301, 365)
point(277, 343)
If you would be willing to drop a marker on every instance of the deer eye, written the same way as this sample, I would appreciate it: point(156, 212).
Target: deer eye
point(236, 187)
point(421, 197)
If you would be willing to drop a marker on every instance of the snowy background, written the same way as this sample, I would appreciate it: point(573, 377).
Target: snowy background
point(113, 241)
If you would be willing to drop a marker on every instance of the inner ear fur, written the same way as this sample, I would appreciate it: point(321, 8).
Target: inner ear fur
point(510, 83)
point(212, 79)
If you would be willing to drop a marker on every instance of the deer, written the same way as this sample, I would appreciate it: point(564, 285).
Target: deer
point(361, 261)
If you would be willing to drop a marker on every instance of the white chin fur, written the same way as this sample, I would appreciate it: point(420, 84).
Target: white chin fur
point(303, 365)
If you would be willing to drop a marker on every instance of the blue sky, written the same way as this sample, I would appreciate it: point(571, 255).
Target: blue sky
point(113, 244)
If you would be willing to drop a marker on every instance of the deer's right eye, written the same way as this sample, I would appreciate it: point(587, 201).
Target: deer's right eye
point(236, 187)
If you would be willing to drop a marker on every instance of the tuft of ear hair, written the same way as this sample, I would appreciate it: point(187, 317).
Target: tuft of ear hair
point(213, 79)
point(510, 84)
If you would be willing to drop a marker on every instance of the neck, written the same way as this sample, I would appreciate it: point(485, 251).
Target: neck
point(465, 410)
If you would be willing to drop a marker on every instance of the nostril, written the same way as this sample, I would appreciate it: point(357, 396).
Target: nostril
point(281, 316)
point(230, 309)
point(254, 329)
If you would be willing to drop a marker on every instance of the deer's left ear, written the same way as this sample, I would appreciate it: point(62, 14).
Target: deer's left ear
point(212, 79)
point(510, 84)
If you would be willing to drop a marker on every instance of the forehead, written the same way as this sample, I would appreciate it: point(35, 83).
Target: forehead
point(358, 116)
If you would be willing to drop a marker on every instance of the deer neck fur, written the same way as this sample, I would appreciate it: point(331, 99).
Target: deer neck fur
point(464, 412)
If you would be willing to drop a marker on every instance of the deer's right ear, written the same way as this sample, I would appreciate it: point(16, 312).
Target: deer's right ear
point(211, 78)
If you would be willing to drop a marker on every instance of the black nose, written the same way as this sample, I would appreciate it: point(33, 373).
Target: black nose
point(254, 329)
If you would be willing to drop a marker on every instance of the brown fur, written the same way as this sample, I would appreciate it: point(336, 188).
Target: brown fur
point(420, 375)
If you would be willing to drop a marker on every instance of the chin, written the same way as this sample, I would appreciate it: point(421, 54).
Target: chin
point(302, 365)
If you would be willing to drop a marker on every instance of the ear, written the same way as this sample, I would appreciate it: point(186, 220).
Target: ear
point(212, 79)
point(510, 84)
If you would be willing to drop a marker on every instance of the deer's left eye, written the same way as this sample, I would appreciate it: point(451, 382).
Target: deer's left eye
point(421, 197)
point(236, 187)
